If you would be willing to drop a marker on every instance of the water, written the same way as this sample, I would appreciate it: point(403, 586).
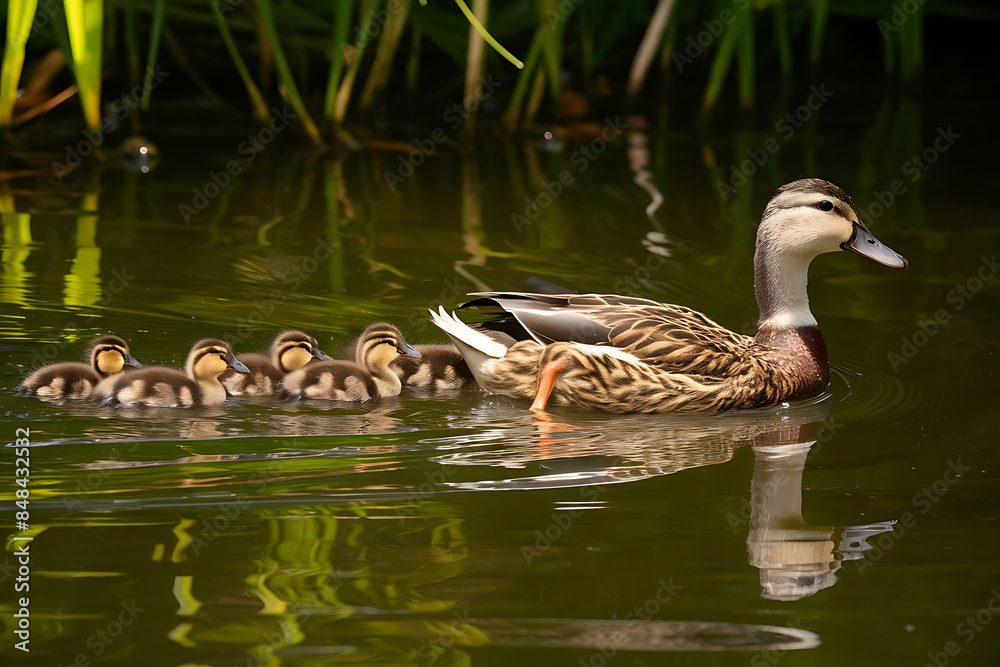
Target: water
point(857, 527)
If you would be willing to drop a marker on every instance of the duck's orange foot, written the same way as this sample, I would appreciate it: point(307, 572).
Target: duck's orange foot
point(546, 381)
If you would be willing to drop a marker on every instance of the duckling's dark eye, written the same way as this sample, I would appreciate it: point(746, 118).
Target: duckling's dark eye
point(825, 205)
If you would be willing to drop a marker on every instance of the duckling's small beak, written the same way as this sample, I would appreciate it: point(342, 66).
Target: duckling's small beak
point(864, 243)
point(130, 361)
point(321, 355)
point(408, 350)
point(238, 365)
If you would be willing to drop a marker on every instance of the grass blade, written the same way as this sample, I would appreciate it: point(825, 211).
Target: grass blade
point(260, 110)
point(20, 14)
point(85, 23)
point(487, 36)
point(289, 90)
point(341, 29)
point(154, 48)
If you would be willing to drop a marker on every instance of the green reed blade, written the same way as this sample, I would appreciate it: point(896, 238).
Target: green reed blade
point(720, 67)
point(745, 58)
point(341, 29)
point(552, 39)
point(782, 38)
point(817, 29)
point(392, 32)
point(155, 31)
point(20, 14)
point(85, 23)
point(260, 110)
point(343, 96)
point(289, 89)
point(486, 35)
point(512, 117)
point(130, 11)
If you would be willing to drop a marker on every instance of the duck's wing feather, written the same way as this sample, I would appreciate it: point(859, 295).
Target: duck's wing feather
point(670, 337)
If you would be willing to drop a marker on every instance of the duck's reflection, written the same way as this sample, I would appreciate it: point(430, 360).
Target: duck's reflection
point(795, 559)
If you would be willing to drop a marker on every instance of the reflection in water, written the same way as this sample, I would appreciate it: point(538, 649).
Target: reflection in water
point(794, 558)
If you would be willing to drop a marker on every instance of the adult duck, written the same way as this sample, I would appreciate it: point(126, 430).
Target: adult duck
point(626, 354)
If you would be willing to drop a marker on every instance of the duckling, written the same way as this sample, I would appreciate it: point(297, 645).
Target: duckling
point(107, 355)
point(167, 387)
point(626, 354)
point(290, 351)
point(439, 368)
point(367, 377)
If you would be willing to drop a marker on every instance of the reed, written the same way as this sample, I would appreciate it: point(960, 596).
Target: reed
point(555, 37)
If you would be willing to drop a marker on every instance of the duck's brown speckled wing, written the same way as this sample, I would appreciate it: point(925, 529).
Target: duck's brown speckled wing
point(668, 337)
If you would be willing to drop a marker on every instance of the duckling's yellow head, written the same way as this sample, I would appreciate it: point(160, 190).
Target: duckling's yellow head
point(380, 345)
point(294, 349)
point(210, 357)
point(110, 354)
point(810, 216)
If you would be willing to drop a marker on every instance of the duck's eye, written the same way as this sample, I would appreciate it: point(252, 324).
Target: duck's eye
point(825, 205)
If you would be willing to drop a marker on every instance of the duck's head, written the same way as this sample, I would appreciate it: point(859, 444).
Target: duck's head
point(380, 345)
point(806, 218)
point(110, 354)
point(294, 349)
point(811, 216)
point(210, 357)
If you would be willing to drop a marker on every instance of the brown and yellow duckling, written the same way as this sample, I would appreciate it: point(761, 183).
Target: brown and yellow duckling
point(290, 351)
point(107, 355)
point(439, 368)
point(167, 387)
point(625, 354)
point(366, 378)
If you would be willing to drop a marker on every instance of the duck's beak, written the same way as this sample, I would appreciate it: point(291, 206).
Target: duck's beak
point(130, 361)
point(321, 355)
point(408, 350)
point(863, 243)
point(237, 365)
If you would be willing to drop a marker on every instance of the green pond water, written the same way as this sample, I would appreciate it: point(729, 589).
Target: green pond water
point(858, 527)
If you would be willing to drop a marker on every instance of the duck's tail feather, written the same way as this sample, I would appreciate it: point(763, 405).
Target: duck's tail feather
point(476, 347)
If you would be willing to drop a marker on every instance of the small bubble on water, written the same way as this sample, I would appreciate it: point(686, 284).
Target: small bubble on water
point(548, 136)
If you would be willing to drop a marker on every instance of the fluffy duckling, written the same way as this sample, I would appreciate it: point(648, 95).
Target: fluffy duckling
point(167, 387)
point(367, 377)
point(440, 368)
point(290, 351)
point(107, 355)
